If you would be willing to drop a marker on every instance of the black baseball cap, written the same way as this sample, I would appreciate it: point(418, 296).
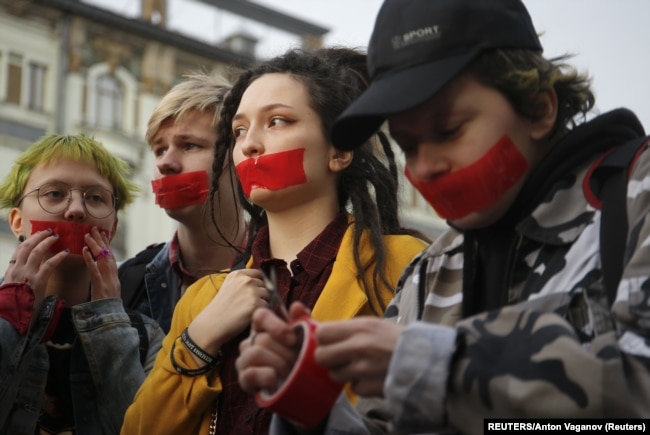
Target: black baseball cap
point(418, 46)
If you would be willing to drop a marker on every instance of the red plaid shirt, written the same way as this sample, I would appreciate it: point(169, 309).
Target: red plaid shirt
point(238, 412)
point(185, 278)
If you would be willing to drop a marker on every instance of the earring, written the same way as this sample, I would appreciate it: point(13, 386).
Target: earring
point(21, 238)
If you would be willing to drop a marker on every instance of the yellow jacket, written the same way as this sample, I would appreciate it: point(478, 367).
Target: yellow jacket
point(169, 403)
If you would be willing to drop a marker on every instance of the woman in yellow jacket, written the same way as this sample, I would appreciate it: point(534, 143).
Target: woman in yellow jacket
point(325, 220)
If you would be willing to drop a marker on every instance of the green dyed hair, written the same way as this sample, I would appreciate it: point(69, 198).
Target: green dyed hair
point(79, 148)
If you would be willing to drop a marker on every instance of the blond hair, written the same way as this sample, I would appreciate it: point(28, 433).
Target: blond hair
point(197, 92)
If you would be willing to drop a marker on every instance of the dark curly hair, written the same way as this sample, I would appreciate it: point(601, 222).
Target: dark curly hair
point(368, 187)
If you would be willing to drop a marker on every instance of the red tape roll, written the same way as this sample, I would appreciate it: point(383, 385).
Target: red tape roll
point(308, 393)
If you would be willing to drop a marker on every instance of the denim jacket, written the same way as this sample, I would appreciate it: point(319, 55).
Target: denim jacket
point(105, 369)
point(162, 289)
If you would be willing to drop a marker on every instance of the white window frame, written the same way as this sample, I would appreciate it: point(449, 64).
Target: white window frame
point(36, 97)
point(129, 93)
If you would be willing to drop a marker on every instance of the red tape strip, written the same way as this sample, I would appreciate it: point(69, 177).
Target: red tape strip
point(475, 187)
point(178, 191)
point(71, 234)
point(272, 171)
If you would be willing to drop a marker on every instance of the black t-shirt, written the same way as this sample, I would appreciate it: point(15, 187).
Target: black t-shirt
point(57, 415)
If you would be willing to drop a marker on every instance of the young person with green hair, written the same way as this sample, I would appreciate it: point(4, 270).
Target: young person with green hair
point(70, 360)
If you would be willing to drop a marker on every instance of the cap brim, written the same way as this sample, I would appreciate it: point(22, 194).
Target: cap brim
point(398, 92)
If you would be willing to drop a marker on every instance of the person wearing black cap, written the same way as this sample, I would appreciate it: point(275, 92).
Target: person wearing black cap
point(512, 312)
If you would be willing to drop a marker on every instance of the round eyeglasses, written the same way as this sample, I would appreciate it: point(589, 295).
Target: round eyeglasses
point(56, 197)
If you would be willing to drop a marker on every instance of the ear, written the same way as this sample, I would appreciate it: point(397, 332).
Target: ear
point(340, 160)
point(546, 110)
point(16, 221)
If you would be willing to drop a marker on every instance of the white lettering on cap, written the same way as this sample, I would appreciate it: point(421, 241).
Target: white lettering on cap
point(416, 36)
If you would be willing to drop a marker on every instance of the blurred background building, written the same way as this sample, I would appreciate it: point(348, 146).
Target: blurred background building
point(72, 66)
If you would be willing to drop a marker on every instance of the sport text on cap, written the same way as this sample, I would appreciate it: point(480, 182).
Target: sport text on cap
point(418, 46)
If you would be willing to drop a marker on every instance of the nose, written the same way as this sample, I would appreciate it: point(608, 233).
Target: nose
point(76, 210)
point(170, 162)
point(427, 163)
point(251, 145)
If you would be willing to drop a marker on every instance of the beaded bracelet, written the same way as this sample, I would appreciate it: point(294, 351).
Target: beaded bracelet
point(204, 356)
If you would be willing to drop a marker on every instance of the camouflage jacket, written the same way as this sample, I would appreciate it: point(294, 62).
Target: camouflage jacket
point(555, 348)
point(551, 345)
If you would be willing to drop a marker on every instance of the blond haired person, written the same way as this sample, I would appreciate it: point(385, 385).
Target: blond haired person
point(182, 135)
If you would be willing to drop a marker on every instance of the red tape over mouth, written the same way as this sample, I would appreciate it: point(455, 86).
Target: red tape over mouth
point(476, 187)
point(178, 191)
point(71, 234)
point(272, 171)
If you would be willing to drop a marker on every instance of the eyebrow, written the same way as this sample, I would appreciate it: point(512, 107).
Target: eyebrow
point(84, 186)
point(191, 137)
point(264, 109)
point(183, 136)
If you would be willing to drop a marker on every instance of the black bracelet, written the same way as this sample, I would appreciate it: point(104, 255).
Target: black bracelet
point(193, 372)
point(195, 349)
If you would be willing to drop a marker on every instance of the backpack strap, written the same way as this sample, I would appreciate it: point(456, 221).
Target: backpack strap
point(138, 323)
point(131, 274)
point(609, 181)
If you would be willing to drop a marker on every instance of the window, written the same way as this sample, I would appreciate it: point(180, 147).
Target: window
point(36, 86)
point(14, 77)
point(109, 102)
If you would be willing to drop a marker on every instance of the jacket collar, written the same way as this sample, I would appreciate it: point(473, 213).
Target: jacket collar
point(343, 297)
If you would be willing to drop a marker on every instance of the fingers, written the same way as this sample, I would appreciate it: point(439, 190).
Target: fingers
point(244, 278)
point(265, 320)
point(101, 265)
point(229, 312)
point(340, 341)
point(31, 257)
point(253, 274)
point(265, 363)
point(48, 266)
point(98, 245)
point(358, 351)
point(34, 264)
point(253, 379)
point(37, 243)
point(297, 310)
point(267, 356)
point(242, 291)
point(97, 251)
point(334, 332)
